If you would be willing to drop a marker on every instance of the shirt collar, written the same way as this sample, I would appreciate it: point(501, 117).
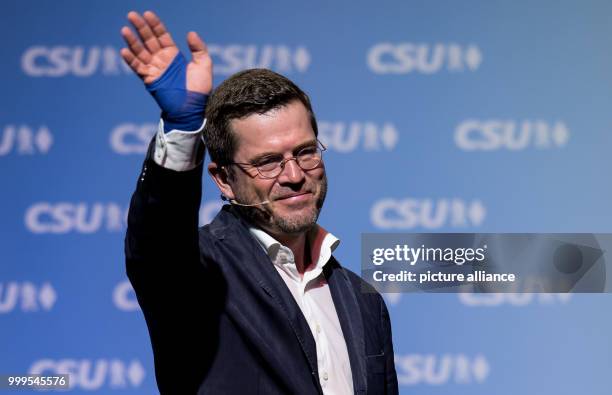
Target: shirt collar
point(321, 242)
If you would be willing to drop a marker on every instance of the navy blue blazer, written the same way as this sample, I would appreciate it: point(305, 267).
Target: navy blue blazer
point(220, 317)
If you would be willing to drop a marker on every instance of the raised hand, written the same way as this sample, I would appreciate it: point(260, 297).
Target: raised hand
point(179, 88)
point(150, 54)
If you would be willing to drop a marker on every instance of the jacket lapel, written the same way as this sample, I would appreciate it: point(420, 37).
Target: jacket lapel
point(351, 322)
point(273, 284)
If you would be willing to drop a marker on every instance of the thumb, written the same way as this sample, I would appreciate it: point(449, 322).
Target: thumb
point(199, 51)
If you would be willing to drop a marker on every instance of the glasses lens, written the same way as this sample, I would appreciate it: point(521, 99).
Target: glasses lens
point(270, 170)
point(309, 158)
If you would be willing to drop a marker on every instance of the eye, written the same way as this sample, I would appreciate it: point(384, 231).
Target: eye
point(308, 151)
point(268, 161)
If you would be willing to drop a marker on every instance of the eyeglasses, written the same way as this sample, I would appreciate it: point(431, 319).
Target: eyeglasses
point(272, 166)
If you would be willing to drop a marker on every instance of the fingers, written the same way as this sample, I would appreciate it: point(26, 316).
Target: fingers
point(148, 38)
point(135, 64)
point(135, 46)
point(199, 51)
point(159, 30)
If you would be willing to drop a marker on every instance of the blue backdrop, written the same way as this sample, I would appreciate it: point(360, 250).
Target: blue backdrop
point(440, 116)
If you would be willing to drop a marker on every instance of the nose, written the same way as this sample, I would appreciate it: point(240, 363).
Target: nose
point(291, 173)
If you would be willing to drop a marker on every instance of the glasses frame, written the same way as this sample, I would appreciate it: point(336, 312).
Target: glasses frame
point(320, 146)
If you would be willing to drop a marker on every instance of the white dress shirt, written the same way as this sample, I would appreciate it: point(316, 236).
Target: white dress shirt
point(177, 150)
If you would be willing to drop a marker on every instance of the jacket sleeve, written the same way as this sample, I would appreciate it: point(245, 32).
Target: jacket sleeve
point(163, 265)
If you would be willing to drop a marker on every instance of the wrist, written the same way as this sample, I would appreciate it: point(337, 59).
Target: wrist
point(189, 116)
point(181, 109)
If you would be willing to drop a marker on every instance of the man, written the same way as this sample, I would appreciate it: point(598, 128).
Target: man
point(253, 303)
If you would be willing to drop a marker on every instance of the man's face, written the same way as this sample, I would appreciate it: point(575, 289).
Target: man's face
point(295, 196)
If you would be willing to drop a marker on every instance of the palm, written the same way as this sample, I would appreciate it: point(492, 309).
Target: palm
point(151, 53)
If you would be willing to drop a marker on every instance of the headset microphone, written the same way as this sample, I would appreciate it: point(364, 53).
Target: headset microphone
point(235, 203)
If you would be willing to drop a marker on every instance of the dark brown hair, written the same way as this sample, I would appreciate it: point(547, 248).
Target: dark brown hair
point(245, 93)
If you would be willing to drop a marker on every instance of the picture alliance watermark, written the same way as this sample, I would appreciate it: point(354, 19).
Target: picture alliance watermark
point(442, 256)
point(485, 263)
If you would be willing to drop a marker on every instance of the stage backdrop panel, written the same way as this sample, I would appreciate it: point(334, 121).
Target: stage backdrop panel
point(439, 116)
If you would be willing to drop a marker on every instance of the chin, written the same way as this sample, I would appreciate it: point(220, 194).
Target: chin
point(292, 210)
point(294, 223)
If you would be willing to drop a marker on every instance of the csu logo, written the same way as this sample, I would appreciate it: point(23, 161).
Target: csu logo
point(229, 59)
point(124, 297)
point(78, 61)
point(350, 136)
point(90, 375)
point(25, 140)
point(82, 61)
point(64, 217)
point(409, 213)
point(414, 369)
point(131, 138)
point(405, 58)
point(496, 134)
point(26, 296)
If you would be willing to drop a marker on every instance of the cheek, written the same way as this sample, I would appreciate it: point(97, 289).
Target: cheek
point(317, 175)
point(243, 189)
point(262, 188)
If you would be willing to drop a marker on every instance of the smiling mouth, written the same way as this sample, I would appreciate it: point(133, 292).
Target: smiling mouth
point(296, 197)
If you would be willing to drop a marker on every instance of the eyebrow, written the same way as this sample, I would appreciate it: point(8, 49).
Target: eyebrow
point(261, 156)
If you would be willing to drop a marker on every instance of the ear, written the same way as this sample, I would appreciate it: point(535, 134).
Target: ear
point(220, 176)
